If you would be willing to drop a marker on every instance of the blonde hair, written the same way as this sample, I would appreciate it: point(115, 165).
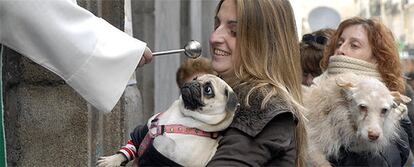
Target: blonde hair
point(268, 49)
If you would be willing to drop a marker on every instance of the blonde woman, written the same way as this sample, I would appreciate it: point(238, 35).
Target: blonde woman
point(255, 49)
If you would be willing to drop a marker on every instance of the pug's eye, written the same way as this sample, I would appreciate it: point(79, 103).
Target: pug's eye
point(208, 90)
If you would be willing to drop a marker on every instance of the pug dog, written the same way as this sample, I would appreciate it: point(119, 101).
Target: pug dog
point(206, 106)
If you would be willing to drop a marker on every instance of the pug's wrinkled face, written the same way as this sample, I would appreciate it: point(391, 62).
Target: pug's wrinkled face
point(209, 99)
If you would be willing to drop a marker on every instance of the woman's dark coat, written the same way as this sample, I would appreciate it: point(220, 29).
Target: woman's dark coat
point(258, 137)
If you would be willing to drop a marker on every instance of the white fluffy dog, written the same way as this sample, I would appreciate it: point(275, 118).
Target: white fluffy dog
point(349, 111)
point(207, 104)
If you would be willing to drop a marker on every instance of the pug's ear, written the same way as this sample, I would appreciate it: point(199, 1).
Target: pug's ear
point(399, 98)
point(346, 88)
point(232, 101)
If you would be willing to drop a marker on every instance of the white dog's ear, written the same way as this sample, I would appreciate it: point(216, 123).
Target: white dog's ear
point(344, 84)
point(346, 88)
point(398, 97)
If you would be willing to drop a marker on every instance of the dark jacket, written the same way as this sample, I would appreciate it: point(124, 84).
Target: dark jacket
point(258, 137)
point(409, 128)
point(395, 155)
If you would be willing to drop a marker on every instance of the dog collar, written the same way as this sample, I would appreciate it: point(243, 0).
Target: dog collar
point(178, 128)
point(174, 128)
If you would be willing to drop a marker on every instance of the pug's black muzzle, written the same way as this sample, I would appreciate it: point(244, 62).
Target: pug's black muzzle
point(192, 97)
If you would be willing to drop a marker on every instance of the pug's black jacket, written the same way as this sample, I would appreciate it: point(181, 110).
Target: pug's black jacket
point(258, 137)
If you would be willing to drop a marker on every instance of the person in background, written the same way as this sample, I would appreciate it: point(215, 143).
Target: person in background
point(312, 47)
point(367, 48)
point(192, 68)
point(410, 79)
point(92, 56)
point(255, 49)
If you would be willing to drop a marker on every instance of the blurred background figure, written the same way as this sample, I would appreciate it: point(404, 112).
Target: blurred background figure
point(311, 51)
point(410, 79)
point(397, 15)
point(192, 68)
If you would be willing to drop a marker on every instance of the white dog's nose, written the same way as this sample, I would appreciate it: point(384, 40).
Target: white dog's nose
point(373, 135)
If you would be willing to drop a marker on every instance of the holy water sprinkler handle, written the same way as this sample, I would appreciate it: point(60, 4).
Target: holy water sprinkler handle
point(192, 50)
point(167, 52)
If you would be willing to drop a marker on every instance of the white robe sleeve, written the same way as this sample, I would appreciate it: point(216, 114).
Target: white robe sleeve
point(92, 56)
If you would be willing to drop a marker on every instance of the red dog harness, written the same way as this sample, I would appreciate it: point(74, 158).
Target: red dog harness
point(130, 153)
point(173, 128)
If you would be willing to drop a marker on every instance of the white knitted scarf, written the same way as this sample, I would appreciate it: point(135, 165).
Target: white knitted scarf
point(339, 64)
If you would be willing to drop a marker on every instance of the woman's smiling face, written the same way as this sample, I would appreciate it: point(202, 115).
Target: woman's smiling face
point(223, 39)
